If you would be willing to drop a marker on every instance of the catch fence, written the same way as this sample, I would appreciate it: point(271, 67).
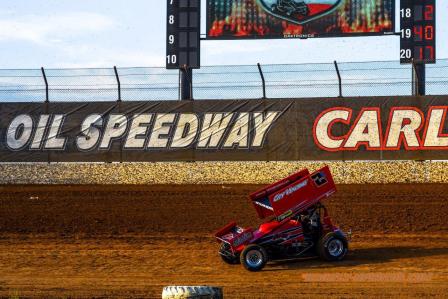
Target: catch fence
point(354, 79)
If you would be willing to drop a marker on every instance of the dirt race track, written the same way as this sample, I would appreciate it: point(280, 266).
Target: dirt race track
point(130, 241)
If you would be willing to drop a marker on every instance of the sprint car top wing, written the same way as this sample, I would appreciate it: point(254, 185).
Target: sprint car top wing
point(293, 194)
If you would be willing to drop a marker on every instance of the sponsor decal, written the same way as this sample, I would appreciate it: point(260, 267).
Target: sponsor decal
point(290, 190)
point(243, 130)
point(407, 127)
point(319, 179)
point(284, 215)
point(241, 239)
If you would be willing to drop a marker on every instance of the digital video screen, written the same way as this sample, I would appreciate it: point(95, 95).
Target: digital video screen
point(243, 19)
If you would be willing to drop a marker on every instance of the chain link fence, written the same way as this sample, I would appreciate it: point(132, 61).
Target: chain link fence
point(220, 82)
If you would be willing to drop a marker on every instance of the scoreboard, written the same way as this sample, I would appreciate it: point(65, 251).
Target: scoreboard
point(265, 19)
point(418, 31)
point(183, 34)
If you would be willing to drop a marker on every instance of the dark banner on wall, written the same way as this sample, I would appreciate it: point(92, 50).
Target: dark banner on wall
point(379, 128)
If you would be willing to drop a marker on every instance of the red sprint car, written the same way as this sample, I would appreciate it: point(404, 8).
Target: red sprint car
point(298, 224)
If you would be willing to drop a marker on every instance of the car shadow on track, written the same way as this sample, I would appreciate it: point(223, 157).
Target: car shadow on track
point(361, 256)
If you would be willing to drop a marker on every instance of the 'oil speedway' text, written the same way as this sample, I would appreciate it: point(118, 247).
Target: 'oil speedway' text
point(143, 131)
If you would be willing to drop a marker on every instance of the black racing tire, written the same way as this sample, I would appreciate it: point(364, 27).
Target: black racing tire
point(192, 292)
point(231, 260)
point(254, 257)
point(332, 247)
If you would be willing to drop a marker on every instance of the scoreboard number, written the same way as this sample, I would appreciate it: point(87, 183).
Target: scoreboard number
point(171, 59)
point(405, 54)
point(183, 34)
point(418, 31)
point(406, 13)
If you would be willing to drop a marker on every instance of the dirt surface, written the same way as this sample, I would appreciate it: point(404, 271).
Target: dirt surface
point(130, 241)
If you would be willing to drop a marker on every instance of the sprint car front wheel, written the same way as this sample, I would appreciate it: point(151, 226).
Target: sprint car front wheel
point(332, 247)
point(254, 257)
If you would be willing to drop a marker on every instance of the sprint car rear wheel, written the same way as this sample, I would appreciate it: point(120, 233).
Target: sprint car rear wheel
point(332, 247)
point(254, 257)
point(226, 255)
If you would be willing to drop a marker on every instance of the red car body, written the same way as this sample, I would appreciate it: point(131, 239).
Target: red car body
point(298, 221)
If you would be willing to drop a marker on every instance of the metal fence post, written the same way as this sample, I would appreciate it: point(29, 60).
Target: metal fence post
point(118, 83)
point(339, 78)
point(119, 108)
point(179, 89)
point(262, 80)
point(186, 82)
point(418, 79)
point(47, 99)
point(414, 82)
